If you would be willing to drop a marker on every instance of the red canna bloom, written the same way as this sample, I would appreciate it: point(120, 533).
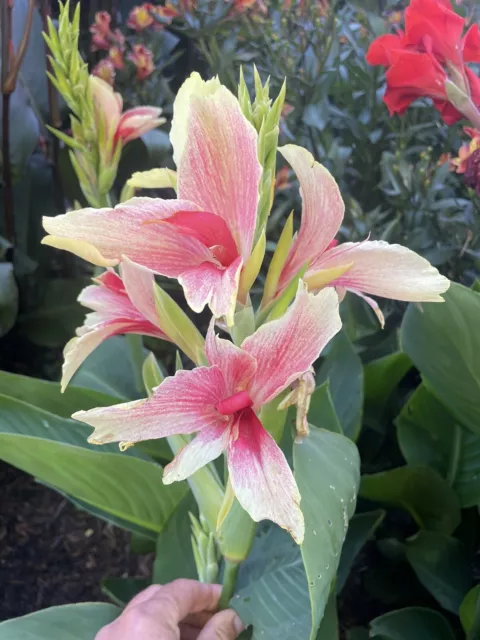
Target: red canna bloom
point(428, 60)
point(142, 58)
point(141, 17)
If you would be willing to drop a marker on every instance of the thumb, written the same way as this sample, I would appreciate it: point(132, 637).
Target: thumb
point(225, 625)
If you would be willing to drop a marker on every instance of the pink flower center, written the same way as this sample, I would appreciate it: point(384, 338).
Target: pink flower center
point(237, 402)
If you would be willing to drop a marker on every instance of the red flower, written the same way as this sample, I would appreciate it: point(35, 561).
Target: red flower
point(428, 59)
point(142, 58)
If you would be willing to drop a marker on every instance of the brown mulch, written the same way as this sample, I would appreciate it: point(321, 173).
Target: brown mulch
point(52, 553)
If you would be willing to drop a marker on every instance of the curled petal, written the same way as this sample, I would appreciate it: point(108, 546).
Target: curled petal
point(205, 447)
point(286, 348)
point(379, 50)
point(237, 366)
point(387, 270)
point(133, 229)
point(182, 404)
point(222, 145)
point(261, 478)
point(322, 210)
point(135, 122)
point(138, 283)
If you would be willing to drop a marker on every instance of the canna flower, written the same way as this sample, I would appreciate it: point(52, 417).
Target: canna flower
point(364, 268)
point(166, 12)
point(115, 55)
point(141, 18)
point(204, 238)
point(102, 36)
point(105, 70)
point(119, 304)
point(459, 164)
point(142, 58)
point(221, 403)
point(428, 60)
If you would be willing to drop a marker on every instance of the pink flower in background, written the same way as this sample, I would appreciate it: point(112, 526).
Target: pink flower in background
point(102, 36)
point(142, 58)
point(368, 267)
point(115, 55)
point(105, 70)
point(205, 237)
point(120, 304)
point(166, 12)
point(221, 403)
point(140, 17)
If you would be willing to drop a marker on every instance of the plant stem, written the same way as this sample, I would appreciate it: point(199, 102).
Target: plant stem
point(7, 172)
point(229, 580)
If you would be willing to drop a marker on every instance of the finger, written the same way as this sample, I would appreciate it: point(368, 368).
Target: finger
point(225, 625)
point(187, 632)
point(199, 619)
point(181, 597)
point(144, 595)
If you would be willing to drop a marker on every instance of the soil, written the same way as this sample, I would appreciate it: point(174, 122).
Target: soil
point(52, 553)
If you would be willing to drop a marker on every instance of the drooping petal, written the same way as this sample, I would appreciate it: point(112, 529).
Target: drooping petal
point(261, 478)
point(205, 447)
point(322, 210)
point(285, 348)
point(386, 270)
point(471, 44)
point(135, 122)
point(212, 285)
point(133, 229)
point(193, 86)
point(379, 50)
point(182, 404)
point(219, 168)
point(138, 283)
point(237, 366)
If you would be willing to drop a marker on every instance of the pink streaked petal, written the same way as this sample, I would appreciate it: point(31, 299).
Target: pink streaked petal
point(182, 404)
point(373, 304)
point(205, 447)
point(135, 122)
point(387, 270)
point(237, 366)
point(212, 285)
point(133, 229)
point(111, 280)
point(219, 168)
point(261, 478)
point(322, 210)
point(79, 348)
point(285, 348)
point(139, 283)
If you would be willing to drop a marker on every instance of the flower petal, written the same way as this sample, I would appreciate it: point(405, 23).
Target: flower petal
point(182, 404)
point(133, 229)
point(261, 478)
point(138, 283)
point(205, 447)
point(322, 210)
point(471, 44)
point(237, 365)
point(379, 50)
point(219, 168)
point(193, 86)
point(387, 270)
point(285, 348)
point(135, 122)
point(212, 285)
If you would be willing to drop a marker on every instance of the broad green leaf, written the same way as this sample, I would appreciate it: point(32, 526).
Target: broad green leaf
point(444, 342)
point(122, 590)
point(362, 527)
point(322, 412)
point(412, 623)
point(382, 377)
point(428, 498)
point(327, 471)
point(343, 368)
point(329, 626)
point(67, 622)
point(47, 395)
point(112, 370)
point(428, 434)
point(442, 566)
point(8, 298)
point(55, 449)
point(272, 591)
point(470, 613)
point(174, 555)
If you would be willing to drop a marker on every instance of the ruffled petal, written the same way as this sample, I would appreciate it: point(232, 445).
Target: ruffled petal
point(237, 366)
point(133, 229)
point(182, 404)
point(386, 270)
point(322, 210)
point(219, 168)
point(212, 285)
point(471, 44)
point(261, 478)
point(379, 50)
point(205, 447)
point(285, 348)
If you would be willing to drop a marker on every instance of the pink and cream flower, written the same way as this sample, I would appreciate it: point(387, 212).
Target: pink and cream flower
point(221, 403)
point(205, 236)
point(120, 304)
point(364, 268)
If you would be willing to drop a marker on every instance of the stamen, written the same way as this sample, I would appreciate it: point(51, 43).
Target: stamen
point(237, 402)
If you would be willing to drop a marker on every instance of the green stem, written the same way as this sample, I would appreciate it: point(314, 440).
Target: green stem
point(455, 455)
point(229, 580)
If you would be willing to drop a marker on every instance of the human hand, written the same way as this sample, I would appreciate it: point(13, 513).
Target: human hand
point(180, 610)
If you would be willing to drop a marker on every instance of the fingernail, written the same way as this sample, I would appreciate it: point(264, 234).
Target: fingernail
point(238, 625)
